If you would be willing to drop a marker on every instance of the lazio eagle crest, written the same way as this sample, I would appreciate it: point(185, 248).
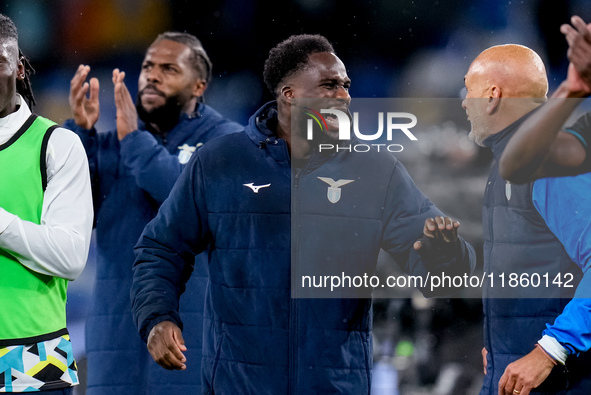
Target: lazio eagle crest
point(334, 189)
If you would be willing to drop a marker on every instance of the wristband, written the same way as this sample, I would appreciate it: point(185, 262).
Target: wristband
point(554, 349)
point(546, 354)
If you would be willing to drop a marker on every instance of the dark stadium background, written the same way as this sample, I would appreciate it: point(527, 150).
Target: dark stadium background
point(403, 48)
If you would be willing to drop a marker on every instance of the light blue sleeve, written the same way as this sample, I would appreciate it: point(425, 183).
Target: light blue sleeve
point(572, 328)
point(565, 205)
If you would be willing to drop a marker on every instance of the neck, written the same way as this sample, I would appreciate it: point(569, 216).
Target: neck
point(10, 108)
point(191, 106)
point(515, 109)
point(300, 147)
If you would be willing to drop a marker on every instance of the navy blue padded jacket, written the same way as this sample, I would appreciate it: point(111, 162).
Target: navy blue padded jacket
point(130, 179)
point(257, 338)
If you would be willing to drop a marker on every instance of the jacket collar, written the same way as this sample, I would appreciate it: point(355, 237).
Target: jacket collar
point(260, 126)
point(12, 122)
point(498, 141)
point(261, 130)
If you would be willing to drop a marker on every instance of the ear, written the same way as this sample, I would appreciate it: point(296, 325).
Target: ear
point(287, 93)
point(494, 99)
point(20, 69)
point(199, 88)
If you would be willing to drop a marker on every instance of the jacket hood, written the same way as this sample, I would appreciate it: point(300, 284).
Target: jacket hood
point(259, 129)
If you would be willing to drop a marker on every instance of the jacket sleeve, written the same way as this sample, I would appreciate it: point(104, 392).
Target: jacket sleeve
point(581, 129)
point(90, 141)
point(405, 211)
point(89, 138)
point(564, 204)
point(155, 169)
point(572, 328)
point(166, 250)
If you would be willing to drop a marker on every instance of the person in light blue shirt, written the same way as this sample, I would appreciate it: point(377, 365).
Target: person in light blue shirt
point(540, 150)
point(565, 205)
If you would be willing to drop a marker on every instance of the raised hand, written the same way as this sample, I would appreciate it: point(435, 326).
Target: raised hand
point(578, 37)
point(127, 119)
point(84, 109)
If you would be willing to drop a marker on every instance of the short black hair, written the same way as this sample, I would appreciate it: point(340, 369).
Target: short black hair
point(8, 31)
point(199, 59)
point(7, 28)
point(291, 56)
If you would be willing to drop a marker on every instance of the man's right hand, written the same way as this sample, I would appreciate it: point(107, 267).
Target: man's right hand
point(578, 37)
point(166, 345)
point(484, 352)
point(439, 228)
point(85, 109)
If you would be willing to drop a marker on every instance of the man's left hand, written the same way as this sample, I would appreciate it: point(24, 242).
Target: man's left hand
point(526, 373)
point(126, 112)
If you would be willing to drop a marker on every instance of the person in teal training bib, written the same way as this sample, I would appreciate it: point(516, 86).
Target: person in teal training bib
point(45, 226)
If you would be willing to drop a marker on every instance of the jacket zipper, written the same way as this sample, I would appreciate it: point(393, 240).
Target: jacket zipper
point(293, 327)
point(490, 188)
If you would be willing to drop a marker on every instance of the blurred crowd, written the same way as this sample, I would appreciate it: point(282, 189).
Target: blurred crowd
point(401, 49)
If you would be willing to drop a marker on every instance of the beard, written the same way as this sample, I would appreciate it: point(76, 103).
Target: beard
point(164, 118)
point(478, 132)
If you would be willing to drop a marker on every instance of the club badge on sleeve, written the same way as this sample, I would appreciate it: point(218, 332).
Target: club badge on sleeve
point(186, 151)
point(508, 190)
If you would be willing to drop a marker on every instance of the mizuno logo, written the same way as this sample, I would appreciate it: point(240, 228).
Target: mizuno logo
point(255, 188)
point(334, 189)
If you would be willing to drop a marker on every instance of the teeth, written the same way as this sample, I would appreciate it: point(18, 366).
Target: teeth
point(332, 121)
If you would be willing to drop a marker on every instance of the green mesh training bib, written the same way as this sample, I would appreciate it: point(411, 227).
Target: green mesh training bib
point(32, 305)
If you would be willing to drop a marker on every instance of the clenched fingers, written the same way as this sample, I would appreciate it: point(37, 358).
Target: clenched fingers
point(443, 228)
point(166, 345)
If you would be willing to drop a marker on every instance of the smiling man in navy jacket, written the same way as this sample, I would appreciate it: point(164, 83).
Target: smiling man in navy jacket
point(235, 197)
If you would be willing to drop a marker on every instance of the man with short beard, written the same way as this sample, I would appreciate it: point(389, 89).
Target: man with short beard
point(505, 87)
point(133, 168)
